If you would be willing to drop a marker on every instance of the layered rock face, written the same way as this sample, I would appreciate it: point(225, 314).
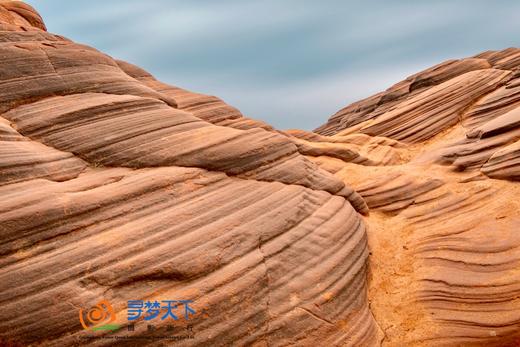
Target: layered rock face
point(393, 224)
point(118, 187)
point(444, 218)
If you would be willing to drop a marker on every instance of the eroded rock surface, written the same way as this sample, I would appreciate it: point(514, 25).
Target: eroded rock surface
point(443, 222)
point(394, 224)
point(116, 186)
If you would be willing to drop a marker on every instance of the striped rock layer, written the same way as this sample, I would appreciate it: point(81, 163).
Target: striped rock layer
point(442, 229)
point(393, 224)
point(118, 187)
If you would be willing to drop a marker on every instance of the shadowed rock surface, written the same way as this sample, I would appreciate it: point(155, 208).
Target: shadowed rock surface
point(117, 186)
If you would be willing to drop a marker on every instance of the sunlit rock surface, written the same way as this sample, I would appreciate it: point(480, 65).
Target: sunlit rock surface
point(395, 223)
point(116, 186)
point(443, 224)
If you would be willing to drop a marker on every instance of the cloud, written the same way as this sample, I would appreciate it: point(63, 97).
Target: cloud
point(282, 105)
point(291, 63)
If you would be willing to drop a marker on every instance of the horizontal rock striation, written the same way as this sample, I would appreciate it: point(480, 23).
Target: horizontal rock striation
point(116, 186)
point(393, 224)
point(436, 109)
point(443, 221)
point(122, 234)
point(378, 104)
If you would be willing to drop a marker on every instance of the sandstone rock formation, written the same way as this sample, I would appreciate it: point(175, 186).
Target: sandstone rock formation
point(395, 223)
point(442, 229)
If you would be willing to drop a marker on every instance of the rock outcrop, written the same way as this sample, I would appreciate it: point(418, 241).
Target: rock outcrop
point(395, 223)
point(442, 227)
point(116, 186)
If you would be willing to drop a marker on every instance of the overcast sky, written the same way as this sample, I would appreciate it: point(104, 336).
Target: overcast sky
point(292, 63)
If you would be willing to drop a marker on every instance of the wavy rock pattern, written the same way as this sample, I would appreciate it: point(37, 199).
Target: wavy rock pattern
point(504, 163)
point(113, 130)
point(436, 109)
point(229, 250)
point(494, 104)
point(354, 148)
point(445, 251)
point(378, 104)
point(117, 186)
point(481, 144)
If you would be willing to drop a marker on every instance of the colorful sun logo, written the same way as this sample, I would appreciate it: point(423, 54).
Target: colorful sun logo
point(99, 317)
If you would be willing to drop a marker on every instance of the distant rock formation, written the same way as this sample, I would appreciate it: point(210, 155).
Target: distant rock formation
point(396, 223)
point(442, 230)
